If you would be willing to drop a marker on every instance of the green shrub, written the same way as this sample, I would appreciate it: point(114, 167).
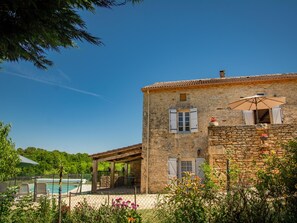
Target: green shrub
point(120, 212)
point(273, 197)
point(6, 202)
point(185, 201)
point(125, 211)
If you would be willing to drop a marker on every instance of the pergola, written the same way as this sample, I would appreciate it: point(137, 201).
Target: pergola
point(121, 155)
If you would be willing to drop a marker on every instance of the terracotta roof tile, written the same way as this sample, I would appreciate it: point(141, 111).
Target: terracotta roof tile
point(218, 81)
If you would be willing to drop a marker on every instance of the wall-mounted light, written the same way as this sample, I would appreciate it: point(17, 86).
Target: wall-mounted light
point(198, 152)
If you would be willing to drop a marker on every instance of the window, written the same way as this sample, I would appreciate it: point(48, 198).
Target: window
point(269, 116)
point(183, 121)
point(186, 166)
point(183, 97)
point(263, 115)
point(177, 167)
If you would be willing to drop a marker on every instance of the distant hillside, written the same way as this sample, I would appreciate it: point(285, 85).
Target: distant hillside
point(49, 161)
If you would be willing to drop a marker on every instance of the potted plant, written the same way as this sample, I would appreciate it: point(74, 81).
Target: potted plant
point(264, 136)
point(213, 122)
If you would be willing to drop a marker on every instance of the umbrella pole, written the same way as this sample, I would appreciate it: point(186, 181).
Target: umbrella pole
point(257, 115)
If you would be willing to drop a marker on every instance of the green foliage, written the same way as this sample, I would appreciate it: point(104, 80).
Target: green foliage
point(6, 202)
point(46, 211)
point(30, 28)
point(185, 201)
point(149, 215)
point(24, 210)
point(50, 161)
point(125, 211)
point(9, 158)
point(273, 197)
point(120, 212)
point(83, 212)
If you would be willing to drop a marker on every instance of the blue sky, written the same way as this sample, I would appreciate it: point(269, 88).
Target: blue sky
point(90, 100)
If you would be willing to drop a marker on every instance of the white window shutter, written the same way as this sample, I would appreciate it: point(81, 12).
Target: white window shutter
point(172, 121)
point(198, 167)
point(248, 116)
point(276, 115)
point(194, 119)
point(172, 168)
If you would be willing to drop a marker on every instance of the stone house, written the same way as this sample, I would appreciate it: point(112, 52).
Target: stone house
point(176, 132)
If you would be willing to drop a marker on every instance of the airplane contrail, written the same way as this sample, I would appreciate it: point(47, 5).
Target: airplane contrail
point(58, 85)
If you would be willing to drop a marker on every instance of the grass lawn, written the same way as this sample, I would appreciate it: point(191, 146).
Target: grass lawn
point(149, 215)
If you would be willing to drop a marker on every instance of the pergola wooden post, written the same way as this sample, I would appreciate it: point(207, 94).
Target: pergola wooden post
point(112, 168)
point(121, 155)
point(126, 174)
point(95, 176)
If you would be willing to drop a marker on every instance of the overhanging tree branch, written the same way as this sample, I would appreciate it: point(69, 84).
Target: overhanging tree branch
point(30, 28)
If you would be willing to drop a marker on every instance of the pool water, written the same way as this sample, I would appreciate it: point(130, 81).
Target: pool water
point(54, 188)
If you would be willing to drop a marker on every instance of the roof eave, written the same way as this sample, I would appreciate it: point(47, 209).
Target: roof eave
point(219, 81)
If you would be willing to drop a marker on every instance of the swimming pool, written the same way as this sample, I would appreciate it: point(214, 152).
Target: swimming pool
point(54, 188)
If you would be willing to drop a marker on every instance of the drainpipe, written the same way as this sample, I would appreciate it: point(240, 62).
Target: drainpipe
point(147, 141)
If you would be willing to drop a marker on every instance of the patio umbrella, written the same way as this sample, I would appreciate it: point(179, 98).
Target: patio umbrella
point(26, 162)
point(257, 102)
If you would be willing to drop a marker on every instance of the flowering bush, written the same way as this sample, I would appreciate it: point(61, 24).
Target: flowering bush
point(125, 211)
point(273, 197)
point(186, 200)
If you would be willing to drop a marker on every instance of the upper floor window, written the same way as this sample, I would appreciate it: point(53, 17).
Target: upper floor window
point(269, 116)
point(183, 121)
point(183, 97)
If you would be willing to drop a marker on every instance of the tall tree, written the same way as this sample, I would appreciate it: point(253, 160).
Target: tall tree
point(9, 158)
point(29, 28)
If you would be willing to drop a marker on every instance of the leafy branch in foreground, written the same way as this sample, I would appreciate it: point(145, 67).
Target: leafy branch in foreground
point(29, 28)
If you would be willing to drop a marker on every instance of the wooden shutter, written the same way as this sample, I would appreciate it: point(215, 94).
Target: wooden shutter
point(248, 116)
point(172, 121)
point(172, 168)
point(194, 120)
point(198, 168)
point(276, 115)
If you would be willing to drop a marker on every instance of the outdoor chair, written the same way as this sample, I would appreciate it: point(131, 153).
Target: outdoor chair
point(3, 187)
point(24, 190)
point(41, 189)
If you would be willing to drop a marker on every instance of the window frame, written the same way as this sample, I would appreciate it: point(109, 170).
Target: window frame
point(183, 121)
point(275, 116)
point(188, 168)
point(189, 160)
point(182, 97)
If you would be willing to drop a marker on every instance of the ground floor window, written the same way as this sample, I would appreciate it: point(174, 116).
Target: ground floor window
point(178, 167)
point(186, 166)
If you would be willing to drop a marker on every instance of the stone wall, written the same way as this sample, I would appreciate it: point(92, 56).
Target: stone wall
point(159, 145)
point(135, 168)
point(243, 146)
